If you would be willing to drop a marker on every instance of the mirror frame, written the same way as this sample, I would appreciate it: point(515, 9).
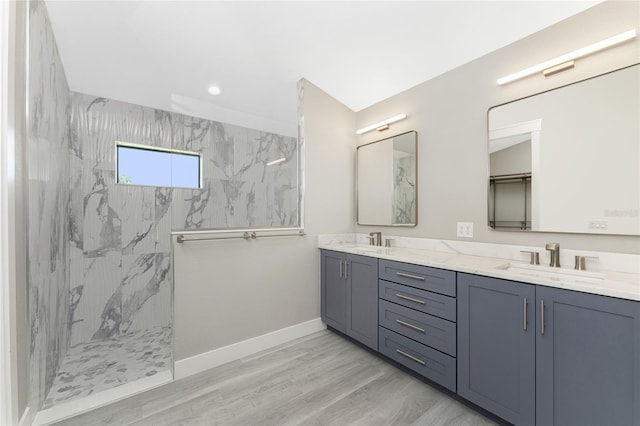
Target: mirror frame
point(488, 156)
point(408, 225)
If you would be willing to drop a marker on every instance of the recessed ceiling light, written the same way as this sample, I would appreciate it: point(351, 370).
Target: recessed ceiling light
point(214, 90)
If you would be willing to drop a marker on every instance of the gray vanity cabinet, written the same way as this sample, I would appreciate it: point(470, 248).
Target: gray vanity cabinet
point(496, 346)
point(349, 295)
point(333, 290)
point(587, 359)
point(546, 356)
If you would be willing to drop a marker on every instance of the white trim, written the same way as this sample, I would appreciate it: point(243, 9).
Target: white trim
point(198, 363)
point(516, 129)
point(8, 344)
point(536, 176)
point(27, 417)
point(87, 403)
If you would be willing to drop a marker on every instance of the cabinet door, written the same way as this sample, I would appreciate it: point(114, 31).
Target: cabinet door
point(362, 299)
point(588, 359)
point(333, 290)
point(496, 346)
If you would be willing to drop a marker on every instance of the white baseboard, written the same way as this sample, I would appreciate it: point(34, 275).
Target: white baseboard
point(198, 363)
point(90, 402)
point(27, 417)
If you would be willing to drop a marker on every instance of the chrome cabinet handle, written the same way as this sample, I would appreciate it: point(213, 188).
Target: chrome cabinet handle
point(542, 317)
point(341, 269)
point(524, 314)
point(346, 269)
point(413, 358)
point(411, 299)
point(415, 277)
point(415, 327)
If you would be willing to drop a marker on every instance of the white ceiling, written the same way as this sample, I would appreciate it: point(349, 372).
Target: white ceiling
point(164, 54)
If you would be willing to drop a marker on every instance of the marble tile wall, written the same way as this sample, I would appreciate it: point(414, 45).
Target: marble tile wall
point(48, 191)
point(239, 189)
point(404, 189)
point(120, 260)
point(119, 255)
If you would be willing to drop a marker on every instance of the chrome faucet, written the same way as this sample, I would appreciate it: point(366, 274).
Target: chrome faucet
point(554, 249)
point(375, 239)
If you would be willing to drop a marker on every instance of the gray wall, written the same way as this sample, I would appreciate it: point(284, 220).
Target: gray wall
point(450, 114)
point(47, 159)
point(512, 160)
point(229, 291)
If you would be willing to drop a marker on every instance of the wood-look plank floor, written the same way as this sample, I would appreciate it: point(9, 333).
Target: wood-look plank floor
point(321, 379)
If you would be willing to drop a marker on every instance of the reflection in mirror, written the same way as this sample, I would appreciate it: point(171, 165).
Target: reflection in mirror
point(386, 181)
point(568, 160)
point(510, 183)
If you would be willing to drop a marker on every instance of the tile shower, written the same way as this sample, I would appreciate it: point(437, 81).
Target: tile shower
point(100, 270)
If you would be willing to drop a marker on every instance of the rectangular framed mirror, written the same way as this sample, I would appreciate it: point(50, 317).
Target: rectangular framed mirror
point(386, 181)
point(568, 160)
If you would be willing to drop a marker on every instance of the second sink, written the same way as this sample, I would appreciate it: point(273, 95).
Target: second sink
point(553, 274)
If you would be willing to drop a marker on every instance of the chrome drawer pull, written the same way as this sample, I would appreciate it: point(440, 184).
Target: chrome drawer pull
point(413, 358)
point(415, 327)
point(524, 314)
point(411, 299)
point(542, 317)
point(415, 277)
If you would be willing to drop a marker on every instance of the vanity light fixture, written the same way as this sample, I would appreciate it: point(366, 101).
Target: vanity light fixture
point(559, 68)
point(279, 160)
point(383, 125)
point(214, 90)
point(567, 60)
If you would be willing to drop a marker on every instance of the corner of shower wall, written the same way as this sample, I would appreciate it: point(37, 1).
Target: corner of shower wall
point(100, 270)
point(47, 171)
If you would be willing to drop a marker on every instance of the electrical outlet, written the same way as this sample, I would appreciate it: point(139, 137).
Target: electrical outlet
point(465, 229)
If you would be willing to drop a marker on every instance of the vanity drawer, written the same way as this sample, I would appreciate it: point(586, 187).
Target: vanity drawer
point(420, 300)
point(423, 360)
point(426, 329)
point(424, 277)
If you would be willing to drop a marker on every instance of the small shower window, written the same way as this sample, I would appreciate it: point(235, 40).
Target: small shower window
point(151, 166)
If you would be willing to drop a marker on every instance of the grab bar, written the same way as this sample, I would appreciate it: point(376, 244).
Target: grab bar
point(246, 235)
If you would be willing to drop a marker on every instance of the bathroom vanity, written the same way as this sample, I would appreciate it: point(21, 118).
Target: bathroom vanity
point(531, 349)
point(349, 301)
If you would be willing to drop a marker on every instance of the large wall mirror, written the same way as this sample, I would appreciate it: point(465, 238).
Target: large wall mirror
point(386, 181)
point(568, 160)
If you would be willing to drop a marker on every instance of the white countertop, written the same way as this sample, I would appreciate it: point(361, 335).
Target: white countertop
point(607, 283)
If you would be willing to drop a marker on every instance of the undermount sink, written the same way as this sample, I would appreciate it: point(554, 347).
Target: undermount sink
point(553, 274)
point(370, 249)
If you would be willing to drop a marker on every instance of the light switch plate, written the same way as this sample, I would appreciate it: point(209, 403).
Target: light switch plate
point(465, 229)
